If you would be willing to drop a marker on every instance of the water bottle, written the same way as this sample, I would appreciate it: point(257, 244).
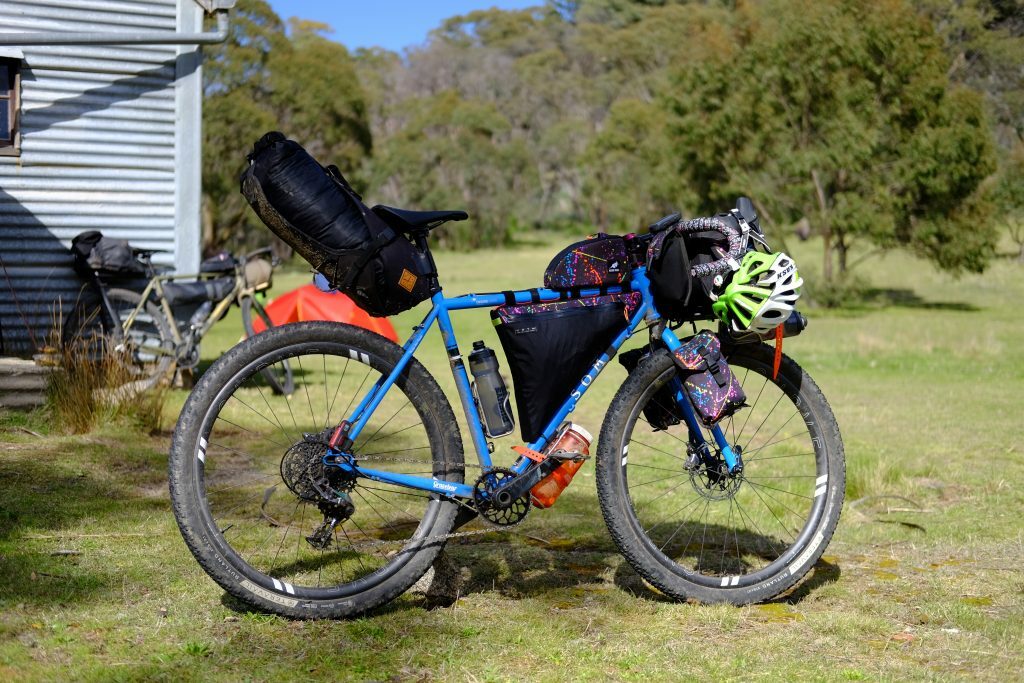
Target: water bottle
point(489, 390)
point(570, 438)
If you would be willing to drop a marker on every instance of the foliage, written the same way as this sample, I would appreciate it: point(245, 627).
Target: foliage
point(88, 390)
point(984, 41)
point(842, 113)
point(1009, 197)
point(264, 79)
point(873, 121)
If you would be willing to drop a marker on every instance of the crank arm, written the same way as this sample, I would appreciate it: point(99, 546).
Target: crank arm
point(521, 485)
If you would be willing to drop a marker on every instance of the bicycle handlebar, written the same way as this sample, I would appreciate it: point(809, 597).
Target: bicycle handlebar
point(728, 261)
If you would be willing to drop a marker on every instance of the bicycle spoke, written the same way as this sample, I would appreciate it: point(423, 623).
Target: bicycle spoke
point(305, 388)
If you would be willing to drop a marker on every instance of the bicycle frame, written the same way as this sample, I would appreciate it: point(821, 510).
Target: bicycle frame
point(155, 285)
point(440, 313)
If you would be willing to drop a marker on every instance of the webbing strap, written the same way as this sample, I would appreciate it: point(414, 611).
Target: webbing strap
point(529, 453)
point(384, 237)
point(777, 361)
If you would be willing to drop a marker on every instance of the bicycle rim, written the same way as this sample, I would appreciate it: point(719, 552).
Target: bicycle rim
point(260, 466)
point(715, 530)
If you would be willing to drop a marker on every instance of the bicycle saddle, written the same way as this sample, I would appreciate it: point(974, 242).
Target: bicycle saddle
point(404, 220)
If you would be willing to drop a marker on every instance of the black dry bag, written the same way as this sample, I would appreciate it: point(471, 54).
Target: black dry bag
point(316, 211)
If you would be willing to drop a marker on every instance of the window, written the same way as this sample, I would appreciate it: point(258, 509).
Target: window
point(10, 87)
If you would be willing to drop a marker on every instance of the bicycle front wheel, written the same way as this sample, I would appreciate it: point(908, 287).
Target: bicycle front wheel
point(689, 527)
point(279, 376)
point(260, 511)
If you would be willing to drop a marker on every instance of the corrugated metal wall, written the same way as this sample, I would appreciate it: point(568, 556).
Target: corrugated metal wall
point(101, 137)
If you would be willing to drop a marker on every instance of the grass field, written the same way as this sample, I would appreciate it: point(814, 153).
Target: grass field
point(923, 579)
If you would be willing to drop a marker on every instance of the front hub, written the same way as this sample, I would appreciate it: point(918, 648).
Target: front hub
point(709, 473)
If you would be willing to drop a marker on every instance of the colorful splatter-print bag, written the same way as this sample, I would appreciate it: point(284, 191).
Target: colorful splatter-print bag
point(598, 261)
point(710, 384)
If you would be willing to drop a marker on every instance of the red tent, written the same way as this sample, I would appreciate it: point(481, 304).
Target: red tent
point(309, 303)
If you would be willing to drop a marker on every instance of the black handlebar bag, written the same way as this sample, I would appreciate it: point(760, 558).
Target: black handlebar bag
point(678, 295)
point(316, 211)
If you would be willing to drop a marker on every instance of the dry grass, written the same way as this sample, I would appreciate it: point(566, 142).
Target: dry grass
point(93, 385)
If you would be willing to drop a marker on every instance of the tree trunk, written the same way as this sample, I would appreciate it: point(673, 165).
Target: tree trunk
point(826, 266)
point(842, 249)
point(826, 227)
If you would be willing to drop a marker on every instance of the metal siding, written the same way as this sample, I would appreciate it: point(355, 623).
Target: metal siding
point(102, 137)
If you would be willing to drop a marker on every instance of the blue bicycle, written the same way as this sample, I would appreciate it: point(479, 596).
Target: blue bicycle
point(338, 498)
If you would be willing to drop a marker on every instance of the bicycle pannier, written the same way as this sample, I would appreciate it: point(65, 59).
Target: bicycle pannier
point(318, 214)
point(105, 255)
point(550, 346)
point(597, 261)
point(713, 389)
point(677, 294)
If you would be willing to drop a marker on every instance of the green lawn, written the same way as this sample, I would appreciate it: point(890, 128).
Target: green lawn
point(922, 580)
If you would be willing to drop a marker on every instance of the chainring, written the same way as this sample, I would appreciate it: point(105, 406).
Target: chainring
point(499, 515)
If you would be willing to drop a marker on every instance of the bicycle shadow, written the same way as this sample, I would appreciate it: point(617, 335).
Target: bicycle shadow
point(518, 570)
point(821, 574)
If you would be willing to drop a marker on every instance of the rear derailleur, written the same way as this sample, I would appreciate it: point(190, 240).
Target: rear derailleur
point(304, 472)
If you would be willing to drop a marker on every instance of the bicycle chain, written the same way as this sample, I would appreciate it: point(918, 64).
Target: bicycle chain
point(491, 527)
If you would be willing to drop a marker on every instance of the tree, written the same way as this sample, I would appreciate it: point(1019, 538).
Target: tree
point(843, 113)
point(1009, 197)
point(259, 80)
point(985, 42)
point(456, 153)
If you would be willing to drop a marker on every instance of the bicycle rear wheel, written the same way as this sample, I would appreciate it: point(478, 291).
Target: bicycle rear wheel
point(257, 507)
point(693, 530)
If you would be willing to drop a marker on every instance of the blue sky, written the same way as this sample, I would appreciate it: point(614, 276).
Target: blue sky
point(393, 24)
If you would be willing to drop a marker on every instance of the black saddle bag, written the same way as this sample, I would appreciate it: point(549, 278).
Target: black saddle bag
point(110, 258)
point(316, 211)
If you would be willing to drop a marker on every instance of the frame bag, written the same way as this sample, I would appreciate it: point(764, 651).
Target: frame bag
point(711, 386)
point(318, 214)
point(550, 346)
point(598, 261)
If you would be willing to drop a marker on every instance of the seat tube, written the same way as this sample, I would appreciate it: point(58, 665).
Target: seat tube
point(461, 376)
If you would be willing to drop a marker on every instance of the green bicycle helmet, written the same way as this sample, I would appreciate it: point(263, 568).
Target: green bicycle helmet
point(761, 294)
